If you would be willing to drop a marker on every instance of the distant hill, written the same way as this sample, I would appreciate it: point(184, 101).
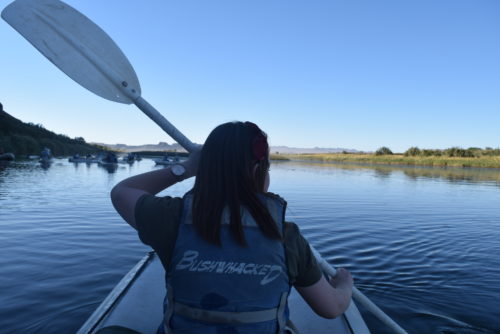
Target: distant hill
point(162, 146)
point(27, 138)
point(298, 150)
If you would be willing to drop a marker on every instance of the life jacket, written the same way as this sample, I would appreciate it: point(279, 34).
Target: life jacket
point(228, 289)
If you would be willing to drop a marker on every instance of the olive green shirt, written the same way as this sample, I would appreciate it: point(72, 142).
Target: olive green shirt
point(158, 220)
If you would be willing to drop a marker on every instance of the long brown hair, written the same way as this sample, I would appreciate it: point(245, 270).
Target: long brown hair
point(226, 177)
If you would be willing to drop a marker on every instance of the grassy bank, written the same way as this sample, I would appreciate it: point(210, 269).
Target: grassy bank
point(279, 157)
point(400, 159)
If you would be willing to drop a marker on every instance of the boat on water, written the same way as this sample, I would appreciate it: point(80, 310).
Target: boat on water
point(130, 158)
point(136, 303)
point(109, 159)
point(87, 159)
point(7, 157)
point(46, 156)
point(77, 158)
point(166, 160)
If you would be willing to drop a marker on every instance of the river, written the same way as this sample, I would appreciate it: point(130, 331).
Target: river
point(422, 243)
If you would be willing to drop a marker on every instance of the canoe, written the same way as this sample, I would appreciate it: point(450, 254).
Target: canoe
point(136, 302)
point(77, 160)
point(107, 163)
point(45, 160)
point(130, 158)
point(167, 160)
point(7, 157)
point(126, 161)
point(164, 162)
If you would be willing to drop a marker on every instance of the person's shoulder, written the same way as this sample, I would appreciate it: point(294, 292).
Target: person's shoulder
point(157, 219)
point(276, 197)
point(292, 231)
point(154, 203)
point(154, 211)
point(272, 195)
point(158, 200)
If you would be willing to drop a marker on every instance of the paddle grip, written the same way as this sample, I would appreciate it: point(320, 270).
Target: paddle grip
point(163, 123)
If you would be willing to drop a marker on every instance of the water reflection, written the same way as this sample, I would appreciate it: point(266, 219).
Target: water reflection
point(3, 168)
point(450, 174)
point(455, 174)
point(382, 173)
point(110, 168)
point(45, 164)
point(3, 165)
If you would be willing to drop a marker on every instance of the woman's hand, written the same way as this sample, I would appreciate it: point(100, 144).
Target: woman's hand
point(329, 300)
point(343, 279)
point(191, 164)
point(125, 194)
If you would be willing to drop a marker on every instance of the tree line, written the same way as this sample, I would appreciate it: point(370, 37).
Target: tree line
point(459, 152)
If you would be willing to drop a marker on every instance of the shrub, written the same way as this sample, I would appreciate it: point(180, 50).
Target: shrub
point(491, 152)
point(412, 152)
point(23, 145)
point(383, 151)
point(459, 152)
point(472, 152)
point(429, 153)
point(6, 144)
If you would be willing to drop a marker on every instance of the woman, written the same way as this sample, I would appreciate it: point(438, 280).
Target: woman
point(230, 257)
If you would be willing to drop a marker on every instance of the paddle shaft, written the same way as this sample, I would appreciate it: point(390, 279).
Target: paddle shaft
point(359, 296)
point(163, 123)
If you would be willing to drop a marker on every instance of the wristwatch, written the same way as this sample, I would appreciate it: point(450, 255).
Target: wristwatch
point(178, 171)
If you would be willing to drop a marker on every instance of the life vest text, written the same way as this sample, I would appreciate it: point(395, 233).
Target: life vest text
point(191, 262)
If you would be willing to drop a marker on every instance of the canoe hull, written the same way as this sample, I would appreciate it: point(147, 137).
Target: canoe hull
point(138, 299)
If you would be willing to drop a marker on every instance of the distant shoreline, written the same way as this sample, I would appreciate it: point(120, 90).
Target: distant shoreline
point(395, 159)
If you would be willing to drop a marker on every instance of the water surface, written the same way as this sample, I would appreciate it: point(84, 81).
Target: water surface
point(422, 243)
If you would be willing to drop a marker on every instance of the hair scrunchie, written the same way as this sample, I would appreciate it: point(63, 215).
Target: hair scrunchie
point(260, 146)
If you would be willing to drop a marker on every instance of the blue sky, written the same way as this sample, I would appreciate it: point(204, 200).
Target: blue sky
point(352, 74)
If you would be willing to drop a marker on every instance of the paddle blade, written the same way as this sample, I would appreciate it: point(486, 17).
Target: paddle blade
point(77, 46)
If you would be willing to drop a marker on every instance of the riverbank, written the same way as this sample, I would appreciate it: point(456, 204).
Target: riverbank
point(396, 159)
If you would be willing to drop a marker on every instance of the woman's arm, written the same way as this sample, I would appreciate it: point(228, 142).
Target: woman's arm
point(329, 300)
point(125, 194)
